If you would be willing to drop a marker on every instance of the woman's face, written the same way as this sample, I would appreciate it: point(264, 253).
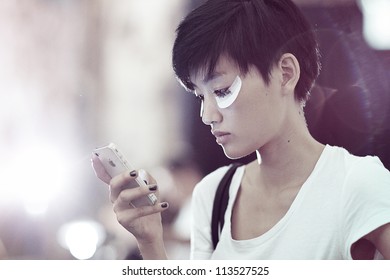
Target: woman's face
point(255, 111)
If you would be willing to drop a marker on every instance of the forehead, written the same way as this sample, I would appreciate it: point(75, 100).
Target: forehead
point(224, 67)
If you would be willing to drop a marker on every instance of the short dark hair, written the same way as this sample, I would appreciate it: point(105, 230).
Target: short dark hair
point(251, 32)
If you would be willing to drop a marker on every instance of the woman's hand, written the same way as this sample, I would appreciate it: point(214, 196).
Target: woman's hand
point(143, 222)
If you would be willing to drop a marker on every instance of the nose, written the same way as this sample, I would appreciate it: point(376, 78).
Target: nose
point(210, 113)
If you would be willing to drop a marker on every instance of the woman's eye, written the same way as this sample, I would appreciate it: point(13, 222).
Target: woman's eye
point(222, 92)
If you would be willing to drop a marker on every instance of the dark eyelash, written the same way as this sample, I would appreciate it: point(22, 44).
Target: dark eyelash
point(222, 92)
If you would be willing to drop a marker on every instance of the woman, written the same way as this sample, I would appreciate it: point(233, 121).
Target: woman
point(252, 65)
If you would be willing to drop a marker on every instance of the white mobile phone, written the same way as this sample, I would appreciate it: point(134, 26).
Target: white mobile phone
point(115, 163)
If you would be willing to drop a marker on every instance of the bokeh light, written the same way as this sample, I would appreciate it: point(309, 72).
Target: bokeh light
point(81, 238)
point(376, 23)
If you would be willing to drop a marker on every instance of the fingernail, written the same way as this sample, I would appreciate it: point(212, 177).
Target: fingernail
point(153, 188)
point(164, 205)
point(133, 173)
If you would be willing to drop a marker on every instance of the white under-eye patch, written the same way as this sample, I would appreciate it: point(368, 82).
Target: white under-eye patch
point(225, 99)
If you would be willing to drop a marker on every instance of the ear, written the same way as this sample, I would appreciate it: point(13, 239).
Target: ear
point(289, 66)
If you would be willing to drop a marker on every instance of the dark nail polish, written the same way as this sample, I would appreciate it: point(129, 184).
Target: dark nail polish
point(153, 188)
point(133, 173)
point(164, 205)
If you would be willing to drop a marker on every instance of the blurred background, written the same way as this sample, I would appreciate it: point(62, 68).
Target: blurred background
point(78, 74)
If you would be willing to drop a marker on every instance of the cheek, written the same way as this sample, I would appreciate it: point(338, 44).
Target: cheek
point(251, 111)
point(250, 107)
point(254, 116)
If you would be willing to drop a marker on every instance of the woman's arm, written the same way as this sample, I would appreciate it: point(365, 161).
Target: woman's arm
point(380, 237)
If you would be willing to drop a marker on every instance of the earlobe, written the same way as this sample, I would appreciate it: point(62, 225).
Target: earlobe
point(289, 66)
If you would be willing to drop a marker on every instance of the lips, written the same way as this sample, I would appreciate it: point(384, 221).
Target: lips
point(221, 136)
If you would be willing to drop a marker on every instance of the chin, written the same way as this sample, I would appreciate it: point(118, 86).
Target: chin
point(236, 153)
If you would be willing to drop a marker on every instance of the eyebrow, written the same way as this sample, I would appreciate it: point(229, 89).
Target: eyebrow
point(210, 76)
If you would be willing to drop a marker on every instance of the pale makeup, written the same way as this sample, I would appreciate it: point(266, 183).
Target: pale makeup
point(226, 97)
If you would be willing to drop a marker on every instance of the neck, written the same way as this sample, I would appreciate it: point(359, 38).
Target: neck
point(291, 155)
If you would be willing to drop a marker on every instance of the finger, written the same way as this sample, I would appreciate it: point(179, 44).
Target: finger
point(119, 183)
point(127, 216)
point(99, 169)
point(127, 196)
